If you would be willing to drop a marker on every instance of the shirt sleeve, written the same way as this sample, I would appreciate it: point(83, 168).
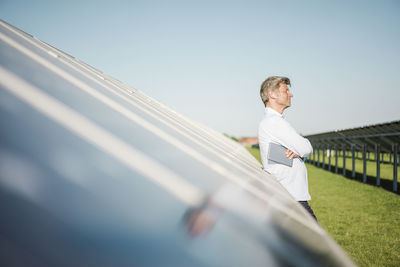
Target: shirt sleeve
point(291, 139)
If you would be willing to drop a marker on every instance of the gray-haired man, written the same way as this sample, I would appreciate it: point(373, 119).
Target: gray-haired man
point(276, 97)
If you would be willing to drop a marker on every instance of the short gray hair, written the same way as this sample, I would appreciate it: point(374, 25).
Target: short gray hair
point(271, 84)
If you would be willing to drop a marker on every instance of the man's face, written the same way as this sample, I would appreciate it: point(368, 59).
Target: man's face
point(284, 96)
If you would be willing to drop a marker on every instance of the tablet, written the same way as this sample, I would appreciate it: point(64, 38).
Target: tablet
point(277, 155)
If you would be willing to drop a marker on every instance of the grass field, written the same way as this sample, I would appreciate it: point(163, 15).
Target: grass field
point(363, 219)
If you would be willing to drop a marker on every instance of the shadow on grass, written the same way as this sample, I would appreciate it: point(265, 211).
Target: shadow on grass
point(371, 180)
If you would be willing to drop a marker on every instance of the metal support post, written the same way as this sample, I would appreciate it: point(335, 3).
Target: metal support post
point(329, 157)
point(344, 160)
point(323, 156)
point(364, 155)
point(395, 149)
point(353, 173)
point(318, 158)
point(378, 164)
point(336, 157)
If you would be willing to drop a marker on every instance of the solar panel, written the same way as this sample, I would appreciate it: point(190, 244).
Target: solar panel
point(94, 172)
point(385, 134)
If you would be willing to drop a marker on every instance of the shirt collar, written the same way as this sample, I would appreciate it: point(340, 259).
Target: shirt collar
point(271, 111)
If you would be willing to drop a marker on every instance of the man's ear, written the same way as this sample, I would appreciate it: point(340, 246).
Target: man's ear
point(272, 94)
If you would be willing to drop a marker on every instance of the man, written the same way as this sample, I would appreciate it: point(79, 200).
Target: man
point(276, 97)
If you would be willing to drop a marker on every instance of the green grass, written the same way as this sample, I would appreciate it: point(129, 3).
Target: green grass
point(255, 152)
point(363, 219)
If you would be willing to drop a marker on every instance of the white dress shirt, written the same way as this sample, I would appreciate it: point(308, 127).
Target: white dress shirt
point(275, 129)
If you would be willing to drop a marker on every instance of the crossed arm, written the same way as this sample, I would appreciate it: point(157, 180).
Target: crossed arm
point(297, 146)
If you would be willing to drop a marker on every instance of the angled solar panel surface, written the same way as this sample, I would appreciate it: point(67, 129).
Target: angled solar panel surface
point(96, 173)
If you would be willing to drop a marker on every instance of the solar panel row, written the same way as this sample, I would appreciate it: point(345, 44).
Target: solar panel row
point(375, 139)
point(385, 134)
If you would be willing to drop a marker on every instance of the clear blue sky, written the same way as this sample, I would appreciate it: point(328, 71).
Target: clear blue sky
point(207, 59)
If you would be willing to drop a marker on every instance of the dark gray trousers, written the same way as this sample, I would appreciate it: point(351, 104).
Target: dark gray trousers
point(308, 208)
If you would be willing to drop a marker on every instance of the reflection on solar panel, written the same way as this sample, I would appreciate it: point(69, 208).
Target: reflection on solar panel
point(378, 139)
point(93, 172)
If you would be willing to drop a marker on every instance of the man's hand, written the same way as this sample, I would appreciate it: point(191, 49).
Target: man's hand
point(291, 155)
